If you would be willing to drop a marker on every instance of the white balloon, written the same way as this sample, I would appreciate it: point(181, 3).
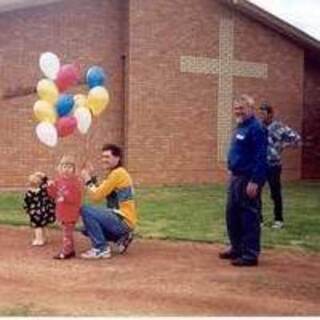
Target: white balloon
point(47, 133)
point(49, 64)
point(84, 119)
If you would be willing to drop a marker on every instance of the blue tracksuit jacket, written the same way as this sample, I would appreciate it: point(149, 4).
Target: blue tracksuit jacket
point(248, 151)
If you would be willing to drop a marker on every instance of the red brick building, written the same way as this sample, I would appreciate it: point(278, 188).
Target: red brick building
point(175, 66)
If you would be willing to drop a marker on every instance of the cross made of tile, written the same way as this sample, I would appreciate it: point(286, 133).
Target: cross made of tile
point(227, 68)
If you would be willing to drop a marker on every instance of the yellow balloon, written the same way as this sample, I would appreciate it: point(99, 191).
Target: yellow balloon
point(48, 91)
point(80, 100)
point(44, 111)
point(98, 99)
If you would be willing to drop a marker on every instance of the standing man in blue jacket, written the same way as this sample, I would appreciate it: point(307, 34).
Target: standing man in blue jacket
point(247, 163)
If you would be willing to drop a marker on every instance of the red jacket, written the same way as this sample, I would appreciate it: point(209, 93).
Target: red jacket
point(67, 193)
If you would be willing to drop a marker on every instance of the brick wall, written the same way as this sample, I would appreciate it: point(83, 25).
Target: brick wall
point(171, 116)
point(284, 85)
point(172, 127)
point(88, 31)
point(311, 121)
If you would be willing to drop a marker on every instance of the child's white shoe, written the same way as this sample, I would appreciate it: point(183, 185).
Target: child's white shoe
point(37, 243)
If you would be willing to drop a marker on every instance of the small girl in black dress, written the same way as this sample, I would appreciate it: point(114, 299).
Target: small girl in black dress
point(39, 206)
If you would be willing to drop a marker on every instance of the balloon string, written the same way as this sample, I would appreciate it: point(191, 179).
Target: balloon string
point(88, 139)
point(90, 136)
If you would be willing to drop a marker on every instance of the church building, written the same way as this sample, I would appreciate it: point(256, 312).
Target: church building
point(174, 68)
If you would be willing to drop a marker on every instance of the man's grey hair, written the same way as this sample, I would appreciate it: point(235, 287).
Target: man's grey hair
point(245, 99)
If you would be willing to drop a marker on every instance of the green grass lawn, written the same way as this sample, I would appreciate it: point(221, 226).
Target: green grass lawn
point(197, 213)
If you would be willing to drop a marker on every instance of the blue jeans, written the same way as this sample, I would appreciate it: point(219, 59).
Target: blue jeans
point(102, 225)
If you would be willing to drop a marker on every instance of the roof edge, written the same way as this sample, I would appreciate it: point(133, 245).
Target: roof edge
point(11, 5)
point(275, 23)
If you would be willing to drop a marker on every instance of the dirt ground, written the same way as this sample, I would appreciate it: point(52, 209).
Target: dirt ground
point(154, 278)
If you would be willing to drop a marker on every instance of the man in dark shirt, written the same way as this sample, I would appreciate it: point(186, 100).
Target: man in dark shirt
point(280, 136)
point(247, 165)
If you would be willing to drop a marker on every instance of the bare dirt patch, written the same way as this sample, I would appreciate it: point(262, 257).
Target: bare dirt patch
point(155, 278)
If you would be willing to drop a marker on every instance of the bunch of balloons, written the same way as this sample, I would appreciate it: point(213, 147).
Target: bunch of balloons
point(60, 113)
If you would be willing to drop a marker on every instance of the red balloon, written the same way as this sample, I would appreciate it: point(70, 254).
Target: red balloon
point(68, 76)
point(66, 126)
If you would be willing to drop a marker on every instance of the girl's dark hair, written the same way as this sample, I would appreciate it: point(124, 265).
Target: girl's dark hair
point(116, 151)
point(265, 106)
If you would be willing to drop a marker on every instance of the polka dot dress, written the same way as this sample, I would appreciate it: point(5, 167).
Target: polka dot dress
point(39, 206)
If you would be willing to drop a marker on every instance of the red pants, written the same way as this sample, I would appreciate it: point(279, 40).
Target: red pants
point(67, 237)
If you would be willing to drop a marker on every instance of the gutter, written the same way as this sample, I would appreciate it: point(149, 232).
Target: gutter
point(11, 5)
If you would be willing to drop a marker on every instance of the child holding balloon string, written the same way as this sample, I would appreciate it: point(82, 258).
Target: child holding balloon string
point(39, 206)
point(66, 189)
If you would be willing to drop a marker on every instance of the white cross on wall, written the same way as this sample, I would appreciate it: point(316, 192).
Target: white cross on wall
point(227, 68)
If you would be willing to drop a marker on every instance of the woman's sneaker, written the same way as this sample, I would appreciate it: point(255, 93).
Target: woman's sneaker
point(94, 253)
point(277, 225)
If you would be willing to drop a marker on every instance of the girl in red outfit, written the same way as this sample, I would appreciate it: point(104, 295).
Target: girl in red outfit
point(66, 189)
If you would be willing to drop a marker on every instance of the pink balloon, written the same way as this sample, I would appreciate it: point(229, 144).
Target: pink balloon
point(68, 76)
point(66, 126)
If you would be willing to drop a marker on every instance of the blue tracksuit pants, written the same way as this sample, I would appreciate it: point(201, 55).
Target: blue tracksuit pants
point(243, 219)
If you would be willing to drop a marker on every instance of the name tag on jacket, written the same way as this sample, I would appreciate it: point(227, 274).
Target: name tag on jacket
point(240, 136)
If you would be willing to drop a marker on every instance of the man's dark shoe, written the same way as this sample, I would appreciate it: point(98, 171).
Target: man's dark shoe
point(230, 255)
point(84, 232)
point(240, 262)
point(124, 242)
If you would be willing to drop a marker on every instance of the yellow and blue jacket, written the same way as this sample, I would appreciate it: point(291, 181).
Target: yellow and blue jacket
point(117, 189)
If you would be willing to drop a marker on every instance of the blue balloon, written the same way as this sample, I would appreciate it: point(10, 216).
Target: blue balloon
point(95, 77)
point(64, 104)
